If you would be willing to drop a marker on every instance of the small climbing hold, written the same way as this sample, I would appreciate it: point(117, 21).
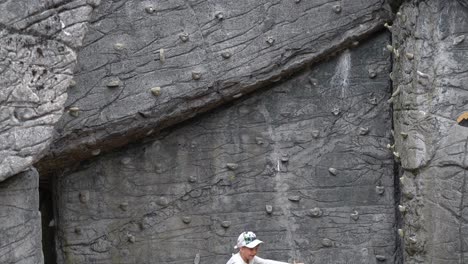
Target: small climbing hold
point(379, 190)
point(72, 83)
point(226, 224)
point(404, 135)
point(259, 140)
point(156, 91)
point(294, 198)
point(219, 15)
point(409, 56)
point(327, 242)
point(390, 75)
point(372, 74)
point(239, 95)
point(315, 212)
point(270, 41)
point(401, 208)
point(196, 260)
point(413, 239)
point(184, 37)
point(355, 43)
point(119, 46)
point(196, 75)
point(285, 158)
point(125, 160)
point(387, 26)
point(396, 154)
point(337, 9)
point(390, 146)
point(74, 111)
point(162, 201)
point(226, 55)
point(113, 83)
point(84, 196)
point(401, 232)
point(363, 131)
point(123, 206)
point(355, 215)
point(297, 1)
point(380, 257)
point(333, 171)
point(315, 133)
point(186, 219)
point(162, 55)
point(373, 101)
point(52, 223)
point(192, 179)
point(458, 40)
point(269, 208)
point(95, 152)
point(232, 166)
point(389, 48)
point(422, 74)
point(131, 238)
point(150, 10)
point(78, 230)
point(336, 111)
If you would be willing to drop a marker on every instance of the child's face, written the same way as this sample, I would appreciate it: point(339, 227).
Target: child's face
point(248, 253)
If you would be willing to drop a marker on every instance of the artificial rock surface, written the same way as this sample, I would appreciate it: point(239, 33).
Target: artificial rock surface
point(37, 58)
point(303, 163)
point(20, 220)
point(146, 65)
point(430, 93)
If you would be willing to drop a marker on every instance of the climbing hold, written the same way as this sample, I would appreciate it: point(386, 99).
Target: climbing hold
point(413, 239)
point(95, 152)
point(162, 201)
point(270, 41)
point(186, 219)
point(422, 74)
point(315, 212)
point(232, 166)
point(192, 179)
point(380, 257)
point(297, 1)
point(72, 83)
point(327, 242)
point(74, 111)
point(52, 223)
point(402, 208)
point(373, 100)
point(84, 196)
point(184, 37)
point(336, 111)
point(150, 10)
point(387, 26)
point(123, 206)
point(196, 260)
point(285, 158)
point(78, 230)
point(363, 131)
point(113, 83)
point(196, 75)
point(294, 198)
point(337, 9)
point(332, 171)
point(219, 15)
point(226, 55)
point(409, 56)
point(119, 46)
point(226, 224)
point(269, 208)
point(389, 48)
point(125, 160)
point(458, 40)
point(355, 215)
point(156, 91)
point(315, 133)
point(396, 154)
point(379, 190)
point(259, 140)
point(162, 55)
point(401, 232)
point(131, 238)
point(372, 74)
point(237, 95)
point(404, 135)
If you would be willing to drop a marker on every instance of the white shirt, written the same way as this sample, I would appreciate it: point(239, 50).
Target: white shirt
point(237, 259)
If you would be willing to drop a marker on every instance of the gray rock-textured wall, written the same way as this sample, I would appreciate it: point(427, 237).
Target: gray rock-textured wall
point(146, 65)
point(430, 93)
point(304, 164)
point(37, 58)
point(20, 220)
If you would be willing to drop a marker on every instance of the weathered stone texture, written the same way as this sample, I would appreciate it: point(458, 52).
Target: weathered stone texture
point(151, 64)
point(20, 220)
point(304, 164)
point(430, 92)
point(36, 66)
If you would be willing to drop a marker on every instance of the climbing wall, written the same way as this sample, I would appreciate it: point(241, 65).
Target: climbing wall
point(303, 163)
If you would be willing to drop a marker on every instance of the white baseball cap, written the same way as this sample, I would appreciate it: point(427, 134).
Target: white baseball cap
point(247, 239)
